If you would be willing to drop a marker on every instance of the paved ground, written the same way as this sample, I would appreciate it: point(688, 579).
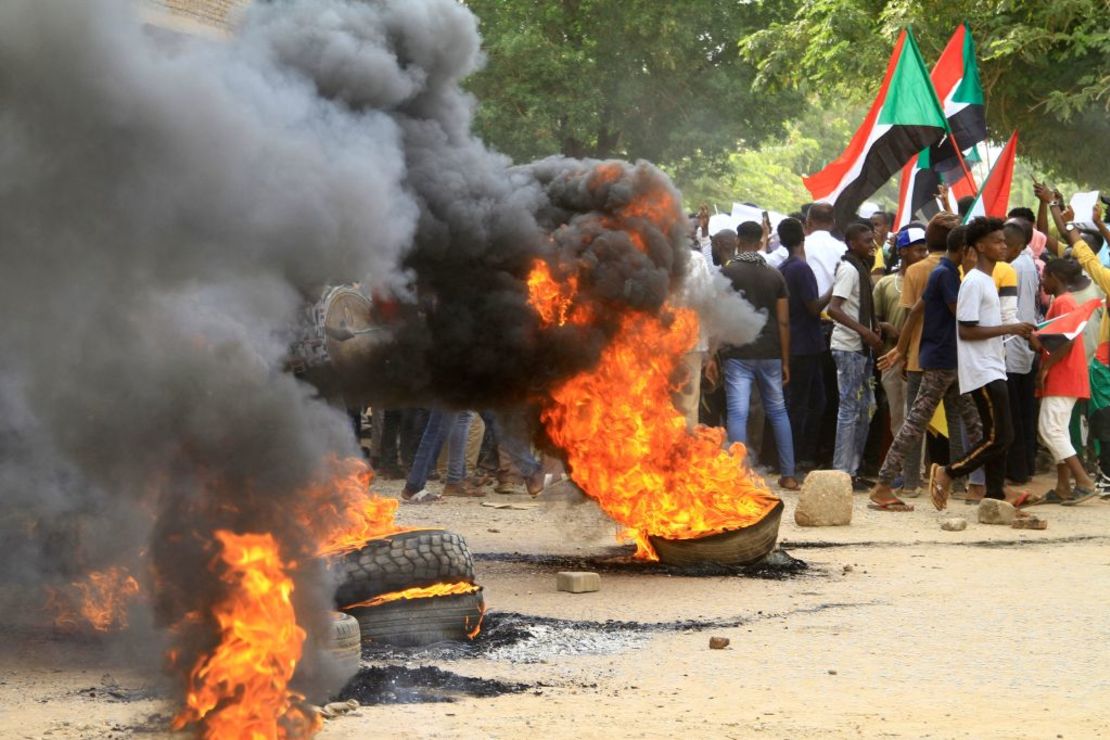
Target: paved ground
point(898, 629)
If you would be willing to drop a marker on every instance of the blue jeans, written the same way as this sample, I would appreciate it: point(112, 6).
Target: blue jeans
point(739, 375)
point(511, 431)
point(857, 402)
point(449, 426)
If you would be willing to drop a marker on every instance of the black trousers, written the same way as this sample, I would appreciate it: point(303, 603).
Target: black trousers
point(1022, 456)
point(993, 402)
point(805, 404)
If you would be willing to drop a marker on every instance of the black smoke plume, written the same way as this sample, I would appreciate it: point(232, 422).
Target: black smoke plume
point(168, 204)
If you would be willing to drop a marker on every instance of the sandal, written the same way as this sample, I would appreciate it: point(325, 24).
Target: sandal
point(891, 505)
point(938, 493)
point(1079, 495)
point(1026, 499)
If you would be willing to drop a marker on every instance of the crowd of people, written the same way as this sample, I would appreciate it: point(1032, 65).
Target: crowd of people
point(910, 359)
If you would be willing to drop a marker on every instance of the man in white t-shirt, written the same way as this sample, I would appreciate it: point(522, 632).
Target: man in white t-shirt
point(823, 250)
point(853, 342)
point(981, 364)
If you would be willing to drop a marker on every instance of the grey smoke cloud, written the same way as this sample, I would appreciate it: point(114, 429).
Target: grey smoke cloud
point(167, 206)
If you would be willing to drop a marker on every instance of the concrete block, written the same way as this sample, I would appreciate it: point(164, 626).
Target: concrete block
point(825, 500)
point(577, 582)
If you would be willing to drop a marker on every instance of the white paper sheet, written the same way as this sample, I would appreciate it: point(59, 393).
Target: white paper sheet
point(1084, 204)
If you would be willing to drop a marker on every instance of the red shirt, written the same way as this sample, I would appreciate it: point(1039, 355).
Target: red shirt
point(1069, 376)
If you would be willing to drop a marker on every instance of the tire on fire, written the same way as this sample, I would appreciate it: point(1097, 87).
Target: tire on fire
point(423, 557)
point(344, 642)
point(407, 560)
point(736, 547)
point(416, 622)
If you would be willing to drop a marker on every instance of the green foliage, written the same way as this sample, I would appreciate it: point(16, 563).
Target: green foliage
point(623, 78)
point(770, 175)
point(1045, 66)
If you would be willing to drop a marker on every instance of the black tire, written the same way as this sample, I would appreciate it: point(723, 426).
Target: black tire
point(735, 547)
point(416, 622)
point(422, 557)
point(344, 642)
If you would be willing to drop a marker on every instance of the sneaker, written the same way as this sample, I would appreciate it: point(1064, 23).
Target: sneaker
point(862, 485)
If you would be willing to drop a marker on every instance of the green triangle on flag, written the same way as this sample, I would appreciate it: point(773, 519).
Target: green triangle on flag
point(970, 89)
point(910, 98)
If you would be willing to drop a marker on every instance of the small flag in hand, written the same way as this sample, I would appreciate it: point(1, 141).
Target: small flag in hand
point(1057, 332)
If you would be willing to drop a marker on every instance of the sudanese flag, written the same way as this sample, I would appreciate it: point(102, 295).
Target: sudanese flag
point(905, 118)
point(956, 80)
point(1056, 332)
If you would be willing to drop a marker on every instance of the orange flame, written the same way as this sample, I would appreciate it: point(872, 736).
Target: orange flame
point(629, 448)
point(553, 300)
point(625, 443)
point(358, 516)
point(421, 592)
point(240, 689)
point(100, 600)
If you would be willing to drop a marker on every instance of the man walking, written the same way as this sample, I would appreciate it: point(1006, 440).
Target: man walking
point(981, 364)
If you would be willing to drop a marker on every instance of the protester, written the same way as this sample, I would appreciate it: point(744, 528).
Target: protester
point(909, 344)
point(1061, 381)
point(1021, 373)
point(823, 250)
point(938, 378)
point(891, 315)
point(766, 360)
point(688, 397)
point(443, 426)
point(854, 339)
point(805, 396)
point(981, 364)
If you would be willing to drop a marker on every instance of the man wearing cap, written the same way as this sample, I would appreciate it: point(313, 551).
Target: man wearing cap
point(909, 248)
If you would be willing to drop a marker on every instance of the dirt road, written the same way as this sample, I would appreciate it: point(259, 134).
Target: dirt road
point(898, 629)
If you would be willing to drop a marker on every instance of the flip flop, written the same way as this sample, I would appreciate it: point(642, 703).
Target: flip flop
point(892, 505)
point(1080, 495)
point(422, 497)
point(937, 493)
point(1026, 499)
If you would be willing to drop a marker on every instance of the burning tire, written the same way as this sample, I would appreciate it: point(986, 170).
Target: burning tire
point(735, 547)
point(422, 621)
point(344, 643)
point(401, 561)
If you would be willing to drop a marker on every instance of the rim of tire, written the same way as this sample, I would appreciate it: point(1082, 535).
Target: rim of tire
point(734, 547)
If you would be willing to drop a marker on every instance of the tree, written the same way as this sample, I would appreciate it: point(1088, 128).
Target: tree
point(1045, 66)
point(623, 78)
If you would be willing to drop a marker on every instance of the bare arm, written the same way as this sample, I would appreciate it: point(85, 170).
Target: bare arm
point(837, 314)
point(976, 333)
point(782, 310)
point(817, 305)
point(1044, 197)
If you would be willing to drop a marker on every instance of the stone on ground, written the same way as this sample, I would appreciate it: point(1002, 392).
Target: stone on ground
point(994, 511)
point(825, 500)
point(577, 582)
point(718, 643)
point(953, 524)
point(1030, 522)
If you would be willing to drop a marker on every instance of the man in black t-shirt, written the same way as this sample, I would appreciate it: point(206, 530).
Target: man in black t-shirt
point(766, 360)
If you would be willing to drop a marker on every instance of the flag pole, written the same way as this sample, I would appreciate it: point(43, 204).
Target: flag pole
point(960, 157)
